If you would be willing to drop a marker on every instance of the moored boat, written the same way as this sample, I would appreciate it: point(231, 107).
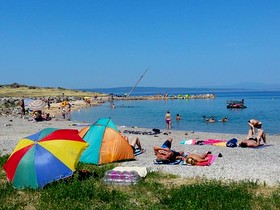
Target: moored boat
point(236, 104)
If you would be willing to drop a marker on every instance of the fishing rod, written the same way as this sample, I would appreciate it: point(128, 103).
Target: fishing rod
point(136, 83)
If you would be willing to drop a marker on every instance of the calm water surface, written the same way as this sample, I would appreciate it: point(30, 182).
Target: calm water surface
point(263, 105)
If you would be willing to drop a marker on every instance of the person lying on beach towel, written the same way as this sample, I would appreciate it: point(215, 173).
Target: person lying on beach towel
point(198, 159)
point(166, 153)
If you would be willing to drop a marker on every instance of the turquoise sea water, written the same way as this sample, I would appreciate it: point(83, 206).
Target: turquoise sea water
point(262, 105)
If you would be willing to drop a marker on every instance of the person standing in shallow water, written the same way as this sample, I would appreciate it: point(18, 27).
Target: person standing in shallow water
point(168, 120)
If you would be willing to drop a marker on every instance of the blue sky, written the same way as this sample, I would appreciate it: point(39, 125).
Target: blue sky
point(110, 43)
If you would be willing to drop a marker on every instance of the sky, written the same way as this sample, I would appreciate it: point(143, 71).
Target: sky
point(110, 43)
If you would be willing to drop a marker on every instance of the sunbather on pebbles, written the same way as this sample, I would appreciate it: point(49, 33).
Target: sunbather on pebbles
point(135, 144)
point(251, 140)
point(194, 159)
point(165, 153)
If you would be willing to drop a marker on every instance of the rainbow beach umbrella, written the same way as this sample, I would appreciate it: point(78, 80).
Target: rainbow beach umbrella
point(49, 155)
point(37, 105)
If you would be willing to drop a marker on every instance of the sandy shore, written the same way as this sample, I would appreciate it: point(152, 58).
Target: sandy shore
point(260, 165)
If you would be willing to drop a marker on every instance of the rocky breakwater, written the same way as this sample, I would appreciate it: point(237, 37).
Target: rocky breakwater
point(165, 97)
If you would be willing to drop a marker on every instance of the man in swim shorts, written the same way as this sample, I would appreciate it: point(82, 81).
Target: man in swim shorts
point(164, 152)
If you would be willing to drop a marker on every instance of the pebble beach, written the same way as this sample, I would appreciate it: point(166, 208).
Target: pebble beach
point(236, 164)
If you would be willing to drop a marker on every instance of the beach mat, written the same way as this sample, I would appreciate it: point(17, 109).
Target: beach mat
point(167, 162)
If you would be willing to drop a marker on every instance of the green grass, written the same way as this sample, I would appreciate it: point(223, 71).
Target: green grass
point(156, 191)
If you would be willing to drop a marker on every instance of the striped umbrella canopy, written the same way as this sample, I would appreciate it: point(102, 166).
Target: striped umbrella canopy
point(49, 155)
point(37, 105)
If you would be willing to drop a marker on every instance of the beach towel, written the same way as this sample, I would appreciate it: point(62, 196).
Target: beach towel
point(217, 142)
point(188, 141)
point(167, 162)
point(220, 144)
point(213, 141)
point(211, 159)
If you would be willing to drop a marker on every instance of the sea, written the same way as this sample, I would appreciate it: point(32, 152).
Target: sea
point(263, 105)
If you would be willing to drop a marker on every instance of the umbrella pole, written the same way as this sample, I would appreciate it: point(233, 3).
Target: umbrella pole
point(136, 83)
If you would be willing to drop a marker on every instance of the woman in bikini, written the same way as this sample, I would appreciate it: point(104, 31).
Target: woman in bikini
point(168, 120)
point(252, 141)
point(194, 159)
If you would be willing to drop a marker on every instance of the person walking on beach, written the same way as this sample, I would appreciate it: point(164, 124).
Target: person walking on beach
point(49, 103)
point(168, 120)
point(22, 108)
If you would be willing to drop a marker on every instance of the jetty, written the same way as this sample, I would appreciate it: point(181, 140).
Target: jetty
point(165, 97)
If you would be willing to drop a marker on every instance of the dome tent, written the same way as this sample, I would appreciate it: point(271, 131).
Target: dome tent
point(106, 144)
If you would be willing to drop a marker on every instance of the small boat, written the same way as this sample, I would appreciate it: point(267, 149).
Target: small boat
point(236, 104)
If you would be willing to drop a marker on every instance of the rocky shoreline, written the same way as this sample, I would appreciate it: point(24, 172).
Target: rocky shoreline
point(9, 106)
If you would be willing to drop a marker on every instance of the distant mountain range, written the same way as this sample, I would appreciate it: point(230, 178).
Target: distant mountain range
point(251, 85)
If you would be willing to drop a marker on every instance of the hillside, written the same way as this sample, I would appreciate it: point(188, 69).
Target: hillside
point(18, 90)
